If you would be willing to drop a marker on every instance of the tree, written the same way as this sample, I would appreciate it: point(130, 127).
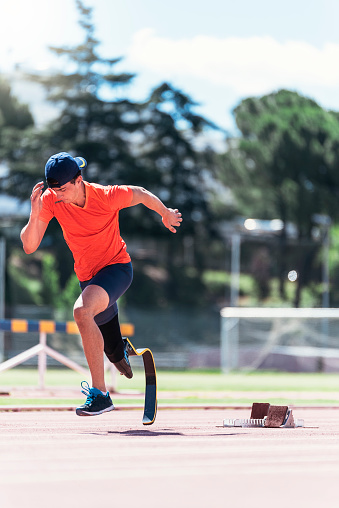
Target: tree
point(285, 166)
point(97, 128)
point(150, 144)
point(15, 123)
point(167, 158)
point(175, 170)
point(124, 141)
point(13, 114)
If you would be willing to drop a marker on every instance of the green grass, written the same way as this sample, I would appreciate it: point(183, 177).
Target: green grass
point(257, 381)
point(180, 387)
point(193, 380)
point(164, 402)
point(196, 380)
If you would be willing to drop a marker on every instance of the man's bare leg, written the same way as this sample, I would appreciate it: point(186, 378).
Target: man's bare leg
point(91, 302)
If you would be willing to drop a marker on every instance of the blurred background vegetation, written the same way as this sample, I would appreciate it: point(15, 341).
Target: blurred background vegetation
point(281, 166)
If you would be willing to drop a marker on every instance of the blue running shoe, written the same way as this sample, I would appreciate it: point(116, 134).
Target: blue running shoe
point(96, 403)
point(124, 367)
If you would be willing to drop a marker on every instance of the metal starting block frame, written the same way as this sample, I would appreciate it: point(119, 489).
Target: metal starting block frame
point(265, 415)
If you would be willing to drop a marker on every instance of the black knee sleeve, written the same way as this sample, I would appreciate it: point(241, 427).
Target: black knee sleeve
point(113, 343)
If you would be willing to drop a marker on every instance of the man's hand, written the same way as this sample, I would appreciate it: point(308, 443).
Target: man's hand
point(172, 219)
point(36, 202)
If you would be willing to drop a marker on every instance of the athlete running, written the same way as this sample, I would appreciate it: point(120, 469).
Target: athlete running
point(88, 214)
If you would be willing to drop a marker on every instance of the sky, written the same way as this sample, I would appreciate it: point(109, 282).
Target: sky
point(218, 52)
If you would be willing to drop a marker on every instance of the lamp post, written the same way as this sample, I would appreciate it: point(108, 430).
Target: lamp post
point(250, 228)
point(325, 223)
point(2, 292)
point(326, 269)
point(235, 269)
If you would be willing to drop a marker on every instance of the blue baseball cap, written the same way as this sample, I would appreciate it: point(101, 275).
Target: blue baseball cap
point(61, 168)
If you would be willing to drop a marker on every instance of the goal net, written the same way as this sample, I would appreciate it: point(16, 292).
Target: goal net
point(280, 339)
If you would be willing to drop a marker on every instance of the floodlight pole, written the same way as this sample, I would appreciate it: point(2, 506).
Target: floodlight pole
point(326, 269)
point(235, 269)
point(2, 292)
point(324, 222)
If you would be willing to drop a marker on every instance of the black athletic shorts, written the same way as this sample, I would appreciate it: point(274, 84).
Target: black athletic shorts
point(115, 280)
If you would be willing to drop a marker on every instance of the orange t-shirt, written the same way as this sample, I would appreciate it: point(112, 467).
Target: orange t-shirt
point(92, 232)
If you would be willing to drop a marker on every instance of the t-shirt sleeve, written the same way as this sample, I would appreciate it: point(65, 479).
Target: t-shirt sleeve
point(47, 212)
point(120, 196)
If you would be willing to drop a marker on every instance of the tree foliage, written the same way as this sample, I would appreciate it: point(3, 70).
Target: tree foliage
point(285, 164)
point(13, 114)
point(16, 122)
point(151, 144)
point(124, 142)
point(287, 153)
point(91, 122)
point(168, 161)
point(282, 165)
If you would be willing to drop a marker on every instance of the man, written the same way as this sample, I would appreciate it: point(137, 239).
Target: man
point(88, 214)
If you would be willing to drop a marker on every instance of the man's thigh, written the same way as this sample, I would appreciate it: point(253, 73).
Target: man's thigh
point(114, 280)
point(94, 299)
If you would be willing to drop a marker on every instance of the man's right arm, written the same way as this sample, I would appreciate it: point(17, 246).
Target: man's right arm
point(32, 234)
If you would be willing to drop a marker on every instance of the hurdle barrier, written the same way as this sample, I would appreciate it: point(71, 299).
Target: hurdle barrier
point(44, 327)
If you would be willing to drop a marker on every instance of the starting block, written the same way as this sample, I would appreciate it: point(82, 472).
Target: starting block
point(265, 415)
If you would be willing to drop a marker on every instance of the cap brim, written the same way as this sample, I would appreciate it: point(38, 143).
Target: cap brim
point(82, 163)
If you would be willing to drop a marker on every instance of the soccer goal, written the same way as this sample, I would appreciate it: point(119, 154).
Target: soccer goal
point(280, 339)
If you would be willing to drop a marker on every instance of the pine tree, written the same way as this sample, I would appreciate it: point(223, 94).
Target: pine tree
point(92, 122)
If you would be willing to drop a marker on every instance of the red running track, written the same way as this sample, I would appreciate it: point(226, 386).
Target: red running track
point(186, 459)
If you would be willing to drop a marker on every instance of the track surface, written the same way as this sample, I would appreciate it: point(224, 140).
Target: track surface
point(186, 459)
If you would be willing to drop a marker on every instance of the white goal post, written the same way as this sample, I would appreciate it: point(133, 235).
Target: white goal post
point(305, 339)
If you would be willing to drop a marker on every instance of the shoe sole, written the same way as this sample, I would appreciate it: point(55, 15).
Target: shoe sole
point(81, 412)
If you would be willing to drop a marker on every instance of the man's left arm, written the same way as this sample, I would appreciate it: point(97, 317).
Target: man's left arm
point(171, 218)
